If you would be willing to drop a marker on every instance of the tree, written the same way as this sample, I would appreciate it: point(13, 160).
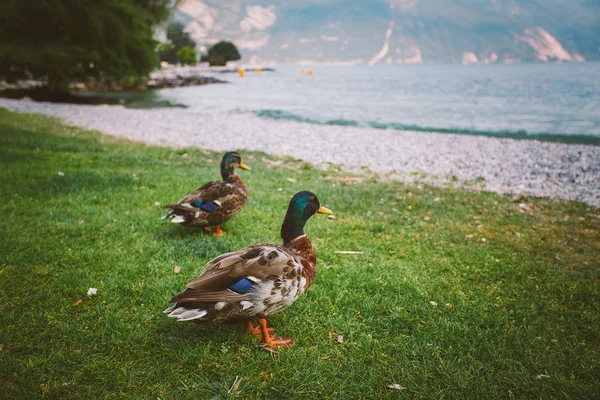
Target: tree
point(62, 40)
point(221, 53)
point(186, 55)
point(178, 39)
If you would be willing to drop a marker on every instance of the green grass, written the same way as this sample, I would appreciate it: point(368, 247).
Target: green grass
point(517, 316)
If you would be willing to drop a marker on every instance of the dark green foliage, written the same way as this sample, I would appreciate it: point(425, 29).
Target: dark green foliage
point(221, 53)
point(179, 39)
point(514, 317)
point(62, 40)
point(178, 36)
point(157, 10)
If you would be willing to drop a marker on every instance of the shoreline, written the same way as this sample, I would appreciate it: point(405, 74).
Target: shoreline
point(159, 79)
point(167, 77)
point(501, 165)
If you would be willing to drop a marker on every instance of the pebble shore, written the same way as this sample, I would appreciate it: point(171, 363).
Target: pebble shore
point(507, 166)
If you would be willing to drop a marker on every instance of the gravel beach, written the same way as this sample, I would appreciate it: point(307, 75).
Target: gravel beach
point(530, 167)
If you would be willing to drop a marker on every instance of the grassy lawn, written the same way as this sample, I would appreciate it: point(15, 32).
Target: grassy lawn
point(456, 295)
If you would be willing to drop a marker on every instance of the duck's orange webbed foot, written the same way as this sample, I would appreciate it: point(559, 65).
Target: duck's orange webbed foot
point(278, 341)
point(218, 231)
point(257, 331)
point(270, 340)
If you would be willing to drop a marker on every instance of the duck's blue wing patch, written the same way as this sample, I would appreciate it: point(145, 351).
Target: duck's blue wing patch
point(242, 286)
point(208, 206)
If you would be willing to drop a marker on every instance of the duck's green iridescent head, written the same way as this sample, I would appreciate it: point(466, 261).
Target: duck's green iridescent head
point(230, 162)
point(302, 206)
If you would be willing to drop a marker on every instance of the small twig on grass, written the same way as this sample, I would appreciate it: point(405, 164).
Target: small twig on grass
point(235, 385)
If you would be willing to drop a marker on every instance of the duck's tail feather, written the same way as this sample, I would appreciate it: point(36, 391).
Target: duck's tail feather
point(178, 219)
point(169, 214)
point(185, 314)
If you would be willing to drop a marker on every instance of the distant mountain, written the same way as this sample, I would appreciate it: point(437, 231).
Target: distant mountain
point(398, 31)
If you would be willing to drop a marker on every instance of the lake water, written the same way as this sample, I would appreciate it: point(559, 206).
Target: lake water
point(547, 101)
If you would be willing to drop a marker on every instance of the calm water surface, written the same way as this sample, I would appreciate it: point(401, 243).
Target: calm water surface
point(521, 100)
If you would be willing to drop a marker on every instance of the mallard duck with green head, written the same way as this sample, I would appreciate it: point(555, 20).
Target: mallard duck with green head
point(214, 202)
point(257, 281)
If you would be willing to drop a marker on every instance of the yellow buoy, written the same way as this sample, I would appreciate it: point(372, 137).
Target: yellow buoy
point(257, 70)
point(302, 70)
point(310, 71)
point(241, 72)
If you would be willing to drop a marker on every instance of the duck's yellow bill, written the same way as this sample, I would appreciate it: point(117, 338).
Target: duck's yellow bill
point(324, 210)
point(244, 166)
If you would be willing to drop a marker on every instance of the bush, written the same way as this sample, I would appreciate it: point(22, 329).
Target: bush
point(186, 55)
point(221, 53)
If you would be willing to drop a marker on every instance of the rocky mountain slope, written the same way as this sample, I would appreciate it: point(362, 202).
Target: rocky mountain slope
point(398, 31)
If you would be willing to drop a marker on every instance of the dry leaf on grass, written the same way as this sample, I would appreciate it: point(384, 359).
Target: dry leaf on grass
point(79, 300)
point(395, 386)
point(340, 339)
point(348, 252)
point(177, 269)
point(291, 180)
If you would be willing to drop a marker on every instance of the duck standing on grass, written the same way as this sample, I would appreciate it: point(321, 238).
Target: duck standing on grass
point(258, 281)
point(214, 202)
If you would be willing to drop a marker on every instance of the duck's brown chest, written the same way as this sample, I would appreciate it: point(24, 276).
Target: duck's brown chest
point(303, 248)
